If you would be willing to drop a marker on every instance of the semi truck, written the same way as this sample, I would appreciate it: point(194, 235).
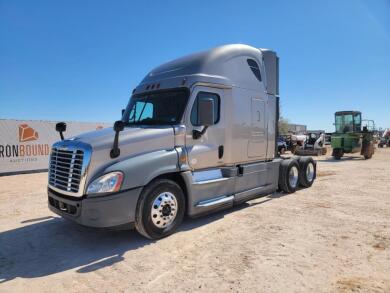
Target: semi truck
point(198, 135)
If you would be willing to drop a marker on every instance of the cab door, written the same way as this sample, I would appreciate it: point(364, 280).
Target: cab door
point(208, 150)
point(257, 145)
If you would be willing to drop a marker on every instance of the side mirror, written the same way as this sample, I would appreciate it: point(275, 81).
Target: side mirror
point(119, 126)
point(206, 112)
point(61, 127)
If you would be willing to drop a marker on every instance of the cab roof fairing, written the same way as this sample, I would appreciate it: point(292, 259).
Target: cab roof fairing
point(218, 66)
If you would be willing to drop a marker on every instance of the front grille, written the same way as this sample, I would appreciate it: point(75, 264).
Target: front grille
point(65, 169)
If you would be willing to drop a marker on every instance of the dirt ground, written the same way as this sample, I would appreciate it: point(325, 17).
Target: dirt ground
point(333, 237)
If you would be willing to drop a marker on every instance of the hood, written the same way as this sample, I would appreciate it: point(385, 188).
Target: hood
point(132, 140)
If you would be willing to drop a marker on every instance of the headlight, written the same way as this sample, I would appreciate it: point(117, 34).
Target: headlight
point(110, 182)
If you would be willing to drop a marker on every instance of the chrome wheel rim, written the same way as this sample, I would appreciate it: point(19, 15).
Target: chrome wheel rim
point(164, 209)
point(310, 172)
point(293, 176)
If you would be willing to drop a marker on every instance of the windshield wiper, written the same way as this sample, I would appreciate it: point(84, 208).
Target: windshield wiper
point(143, 108)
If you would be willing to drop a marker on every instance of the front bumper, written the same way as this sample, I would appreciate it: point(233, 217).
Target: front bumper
point(103, 212)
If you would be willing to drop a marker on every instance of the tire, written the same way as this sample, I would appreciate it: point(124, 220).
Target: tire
point(288, 178)
point(369, 151)
point(337, 153)
point(307, 171)
point(160, 222)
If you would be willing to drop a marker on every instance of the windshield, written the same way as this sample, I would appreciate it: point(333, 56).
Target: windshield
point(156, 108)
point(348, 123)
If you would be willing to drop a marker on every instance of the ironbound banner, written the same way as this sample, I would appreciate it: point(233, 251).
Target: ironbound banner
point(25, 144)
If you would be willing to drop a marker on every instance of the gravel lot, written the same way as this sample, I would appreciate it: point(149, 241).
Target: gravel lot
point(332, 237)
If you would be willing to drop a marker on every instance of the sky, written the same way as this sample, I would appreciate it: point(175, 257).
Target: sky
point(80, 60)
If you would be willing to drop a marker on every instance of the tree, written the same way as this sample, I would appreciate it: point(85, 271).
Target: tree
point(283, 125)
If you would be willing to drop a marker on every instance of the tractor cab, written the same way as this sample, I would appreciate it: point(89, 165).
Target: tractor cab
point(348, 121)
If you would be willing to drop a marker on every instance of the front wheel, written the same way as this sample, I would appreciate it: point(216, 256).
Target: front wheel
point(160, 209)
point(338, 153)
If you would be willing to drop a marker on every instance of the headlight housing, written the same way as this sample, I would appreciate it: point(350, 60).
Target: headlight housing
point(110, 182)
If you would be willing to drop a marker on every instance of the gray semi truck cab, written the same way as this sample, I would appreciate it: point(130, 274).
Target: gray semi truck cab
point(198, 135)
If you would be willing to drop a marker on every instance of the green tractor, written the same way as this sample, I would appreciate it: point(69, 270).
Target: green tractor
point(352, 135)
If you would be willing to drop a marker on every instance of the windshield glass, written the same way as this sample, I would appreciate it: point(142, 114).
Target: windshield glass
point(348, 123)
point(156, 108)
point(344, 123)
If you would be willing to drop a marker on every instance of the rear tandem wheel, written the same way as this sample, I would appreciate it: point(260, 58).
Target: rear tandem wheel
point(307, 171)
point(289, 175)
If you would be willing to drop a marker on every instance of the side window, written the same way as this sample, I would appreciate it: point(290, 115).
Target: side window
point(205, 95)
point(358, 122)
point(255, 68)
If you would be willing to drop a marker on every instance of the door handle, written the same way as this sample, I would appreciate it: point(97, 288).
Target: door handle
point(220, 152)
